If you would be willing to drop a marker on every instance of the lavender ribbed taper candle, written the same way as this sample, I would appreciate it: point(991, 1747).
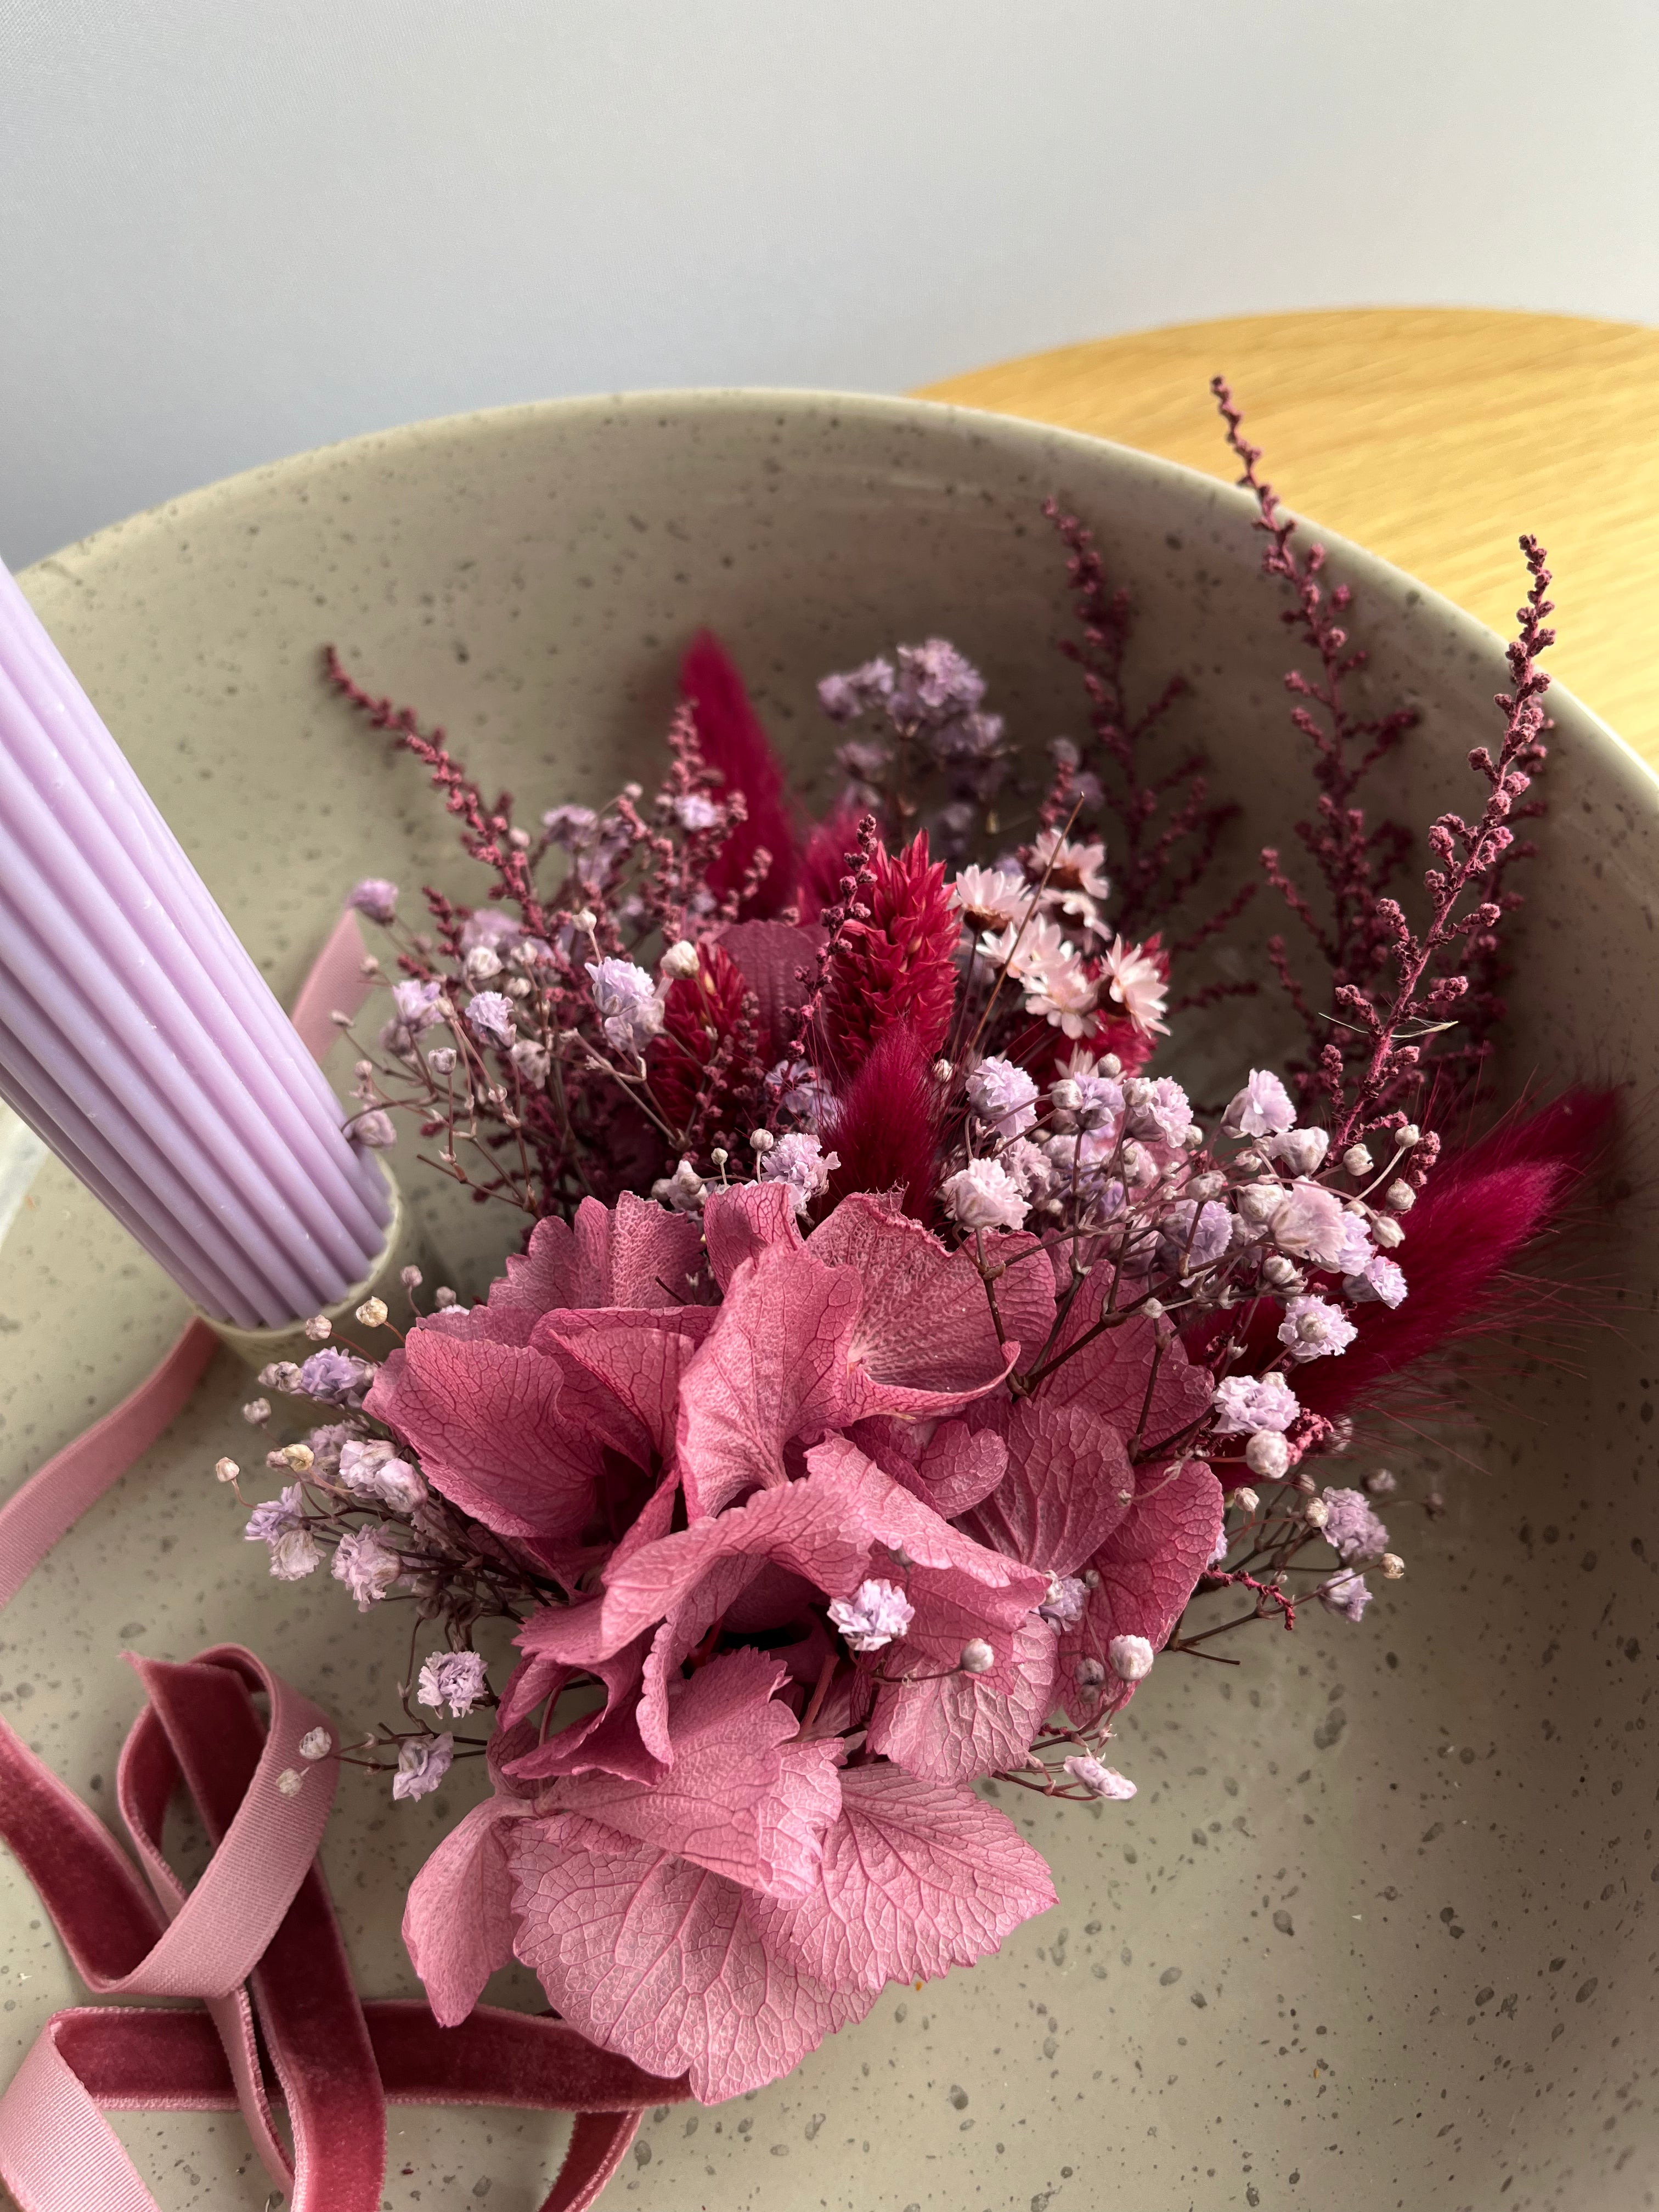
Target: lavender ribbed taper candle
point(138, 1037)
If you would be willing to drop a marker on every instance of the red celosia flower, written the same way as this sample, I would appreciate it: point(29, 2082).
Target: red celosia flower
point(731, 738)
point(898, 965)
point(707, 1016)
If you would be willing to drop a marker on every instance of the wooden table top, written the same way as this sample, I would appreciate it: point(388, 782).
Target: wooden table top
point(1433, 437)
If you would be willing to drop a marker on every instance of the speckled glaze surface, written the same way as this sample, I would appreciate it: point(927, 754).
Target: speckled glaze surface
point(1380, 1930)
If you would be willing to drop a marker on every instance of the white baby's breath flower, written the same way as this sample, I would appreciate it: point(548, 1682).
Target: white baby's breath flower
point(984, 1195)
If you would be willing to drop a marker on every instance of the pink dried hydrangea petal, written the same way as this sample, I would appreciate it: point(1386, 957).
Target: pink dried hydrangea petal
point(646, 1954)
point(605, 1740)
point(811, 1528)
point(1110, 1374)
point(1004, 1587)
point(485, 1421)
point(745, 1221)
point(1068, 1485)
point(956, 1726)
point(622, 1368)
point(773, 1367)
point(562, 1266)
point(1024, 1290)
point(951, 1470)
point(1148, 1567)
point(924, 1341)
point(653, 1255)
point(726, 1803)
point(458, 1923)
point(917, 1877)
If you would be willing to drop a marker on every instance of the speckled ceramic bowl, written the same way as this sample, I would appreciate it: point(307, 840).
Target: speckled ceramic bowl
point(1376, 1932)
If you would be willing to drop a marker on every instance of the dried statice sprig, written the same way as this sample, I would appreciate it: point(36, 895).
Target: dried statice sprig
point(919, 718)
point(1394, 990)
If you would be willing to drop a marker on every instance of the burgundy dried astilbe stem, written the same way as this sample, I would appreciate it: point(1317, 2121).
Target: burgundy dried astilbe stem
point(485, 831)
point(1165, 855)
point(1467, 855)
point(1356, 861)
point(1459, 962)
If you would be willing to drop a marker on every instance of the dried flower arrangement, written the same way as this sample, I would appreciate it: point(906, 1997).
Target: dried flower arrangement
point(891, 1357)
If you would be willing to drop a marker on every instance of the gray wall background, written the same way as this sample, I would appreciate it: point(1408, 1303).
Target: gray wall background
point(231, 229)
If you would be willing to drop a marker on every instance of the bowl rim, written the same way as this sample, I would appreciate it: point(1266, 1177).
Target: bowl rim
point(1372, 570)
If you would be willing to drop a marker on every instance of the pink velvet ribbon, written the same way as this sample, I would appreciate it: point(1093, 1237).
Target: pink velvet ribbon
point(256, 1939)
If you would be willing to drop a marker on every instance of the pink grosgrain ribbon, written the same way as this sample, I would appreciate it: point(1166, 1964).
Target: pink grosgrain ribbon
point(257, 1935)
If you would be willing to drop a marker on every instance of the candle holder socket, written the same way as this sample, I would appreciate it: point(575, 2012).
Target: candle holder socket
point(405, 1246)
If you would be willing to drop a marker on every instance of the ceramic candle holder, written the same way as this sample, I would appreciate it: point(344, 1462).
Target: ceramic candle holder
point(1373, 1932)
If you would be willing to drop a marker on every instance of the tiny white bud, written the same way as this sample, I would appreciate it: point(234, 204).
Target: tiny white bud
point(1408, 1136)
point(1387, 1232)
point(363, 1068)
point(941, 1071)
point(442, 1061)
point(257, 1413)
point(1131, 1657)
point(1260, 1201)
point(719, 1156)
point(483, 962)
point(1382, 1482)
point(290, 1782)
point(320, 1329)
point(1247, 1163)
point(372, 1312)
point(225, 1470)
point(680, 962)
point(519, 839)
point(1393, 1566)
point(586, 919)
point(1153, 1308)
point(412, 1278)
point(1089, 1674)
point(1112, 1065)
point(1267, 1454)
point(1066, 1094)
point(1246, 1499)
point(761, 1140)
point(1315, 1513)
point(1193, 1137)
point(299, 1457)
point(517, 987)
point(977, 1656)
point(632, 790)
point(316, 1743)
point(1357, 1161)
point(1278, 1271)
point(1400, 1198)
point(443, 1297)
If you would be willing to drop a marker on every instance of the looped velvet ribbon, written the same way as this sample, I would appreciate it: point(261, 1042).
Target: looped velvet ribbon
point(256, 1938)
